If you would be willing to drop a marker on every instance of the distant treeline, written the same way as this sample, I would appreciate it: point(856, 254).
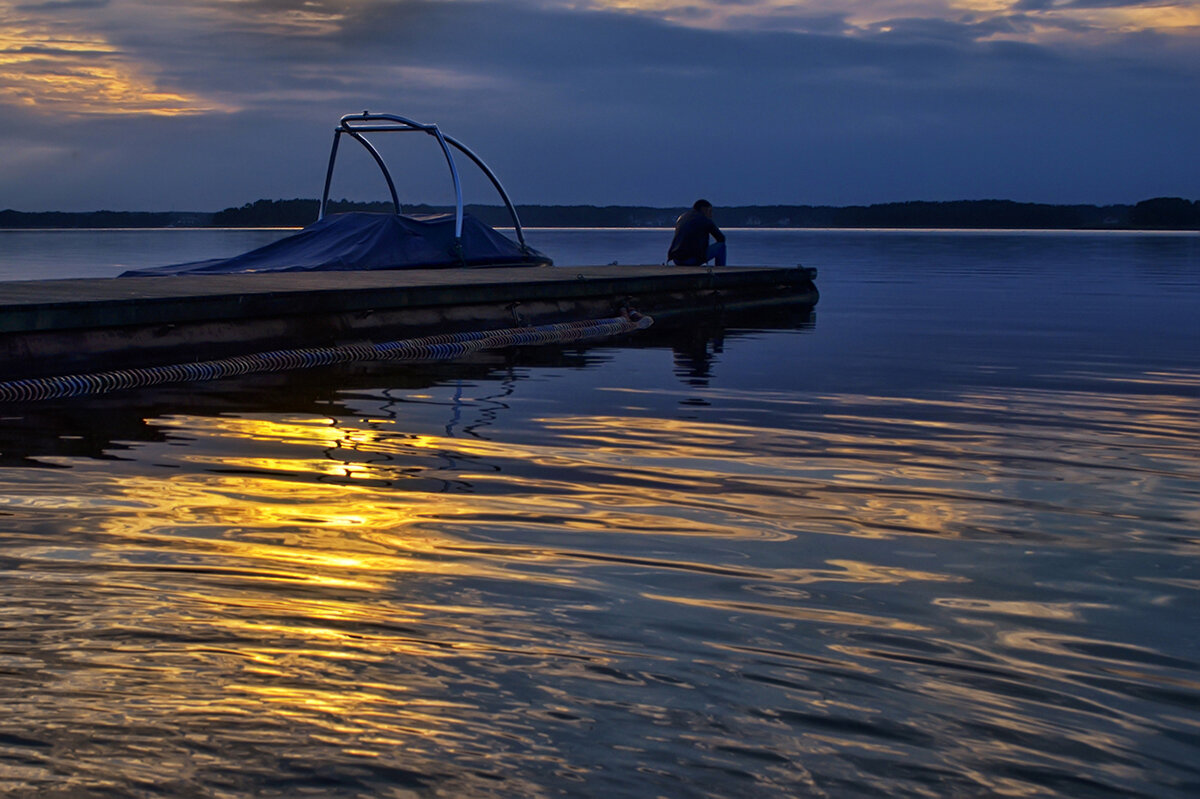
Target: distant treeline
point(103, 219)
point(1161, 213)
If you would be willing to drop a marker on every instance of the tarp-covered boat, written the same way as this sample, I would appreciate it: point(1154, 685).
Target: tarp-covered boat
point(365, 241)
point(361, 241)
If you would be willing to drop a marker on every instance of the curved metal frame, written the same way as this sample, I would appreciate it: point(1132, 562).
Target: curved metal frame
point(355, 125)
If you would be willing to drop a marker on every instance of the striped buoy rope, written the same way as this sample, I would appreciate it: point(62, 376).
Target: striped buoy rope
point(429, 348)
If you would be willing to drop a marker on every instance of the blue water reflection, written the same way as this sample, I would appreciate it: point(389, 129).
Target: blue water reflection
point(936, 538)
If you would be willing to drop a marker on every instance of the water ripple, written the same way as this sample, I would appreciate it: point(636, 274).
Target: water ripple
point(839, 594)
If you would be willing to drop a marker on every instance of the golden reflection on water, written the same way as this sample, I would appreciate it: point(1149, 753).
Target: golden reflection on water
point(380, 588)
point(1062, 611)
point(866, 474)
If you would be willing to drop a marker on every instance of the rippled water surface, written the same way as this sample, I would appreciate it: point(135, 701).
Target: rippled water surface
point(939, 538)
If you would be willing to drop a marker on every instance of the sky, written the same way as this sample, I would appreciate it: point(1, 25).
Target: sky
point(198, 105)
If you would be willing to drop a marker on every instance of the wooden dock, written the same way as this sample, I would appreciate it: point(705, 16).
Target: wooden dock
point(54, 327)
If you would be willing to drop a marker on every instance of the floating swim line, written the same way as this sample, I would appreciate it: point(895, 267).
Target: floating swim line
point(442, 347)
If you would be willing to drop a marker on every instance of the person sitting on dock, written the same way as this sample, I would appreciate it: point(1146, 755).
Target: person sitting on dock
point(690, 246)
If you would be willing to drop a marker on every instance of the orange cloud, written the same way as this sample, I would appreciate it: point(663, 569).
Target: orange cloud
point(74, 72)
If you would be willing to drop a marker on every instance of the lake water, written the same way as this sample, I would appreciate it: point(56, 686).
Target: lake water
point(939, 538)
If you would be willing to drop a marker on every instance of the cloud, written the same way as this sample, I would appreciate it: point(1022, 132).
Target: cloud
point(607, 102)
point(1038, 20)
point(52, 62)
point(60, 5)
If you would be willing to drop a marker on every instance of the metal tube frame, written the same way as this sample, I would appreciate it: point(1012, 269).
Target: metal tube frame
point(355, 125)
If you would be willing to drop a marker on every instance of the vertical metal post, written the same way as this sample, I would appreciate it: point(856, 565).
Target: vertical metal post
point(458, 200)
point(337, 135)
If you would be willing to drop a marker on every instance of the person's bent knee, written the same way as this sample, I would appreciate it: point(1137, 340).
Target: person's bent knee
point(716, 253)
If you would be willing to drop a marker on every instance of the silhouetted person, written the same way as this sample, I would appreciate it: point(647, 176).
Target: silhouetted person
point(690, 246)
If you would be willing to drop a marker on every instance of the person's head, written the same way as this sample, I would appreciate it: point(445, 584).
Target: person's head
point(703, 206)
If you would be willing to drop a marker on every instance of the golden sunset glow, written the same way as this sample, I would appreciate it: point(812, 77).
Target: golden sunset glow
point(53, 63)
point(1166, 18)
point(935, 534)
point(60, 69)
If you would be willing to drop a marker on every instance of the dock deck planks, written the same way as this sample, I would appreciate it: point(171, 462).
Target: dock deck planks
point(86, 302)
point(107, 321)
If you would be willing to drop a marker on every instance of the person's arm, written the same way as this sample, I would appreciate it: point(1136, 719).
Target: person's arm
point(715, 231)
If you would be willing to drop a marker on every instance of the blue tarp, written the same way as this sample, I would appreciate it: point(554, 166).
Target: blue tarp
point(362, 241)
